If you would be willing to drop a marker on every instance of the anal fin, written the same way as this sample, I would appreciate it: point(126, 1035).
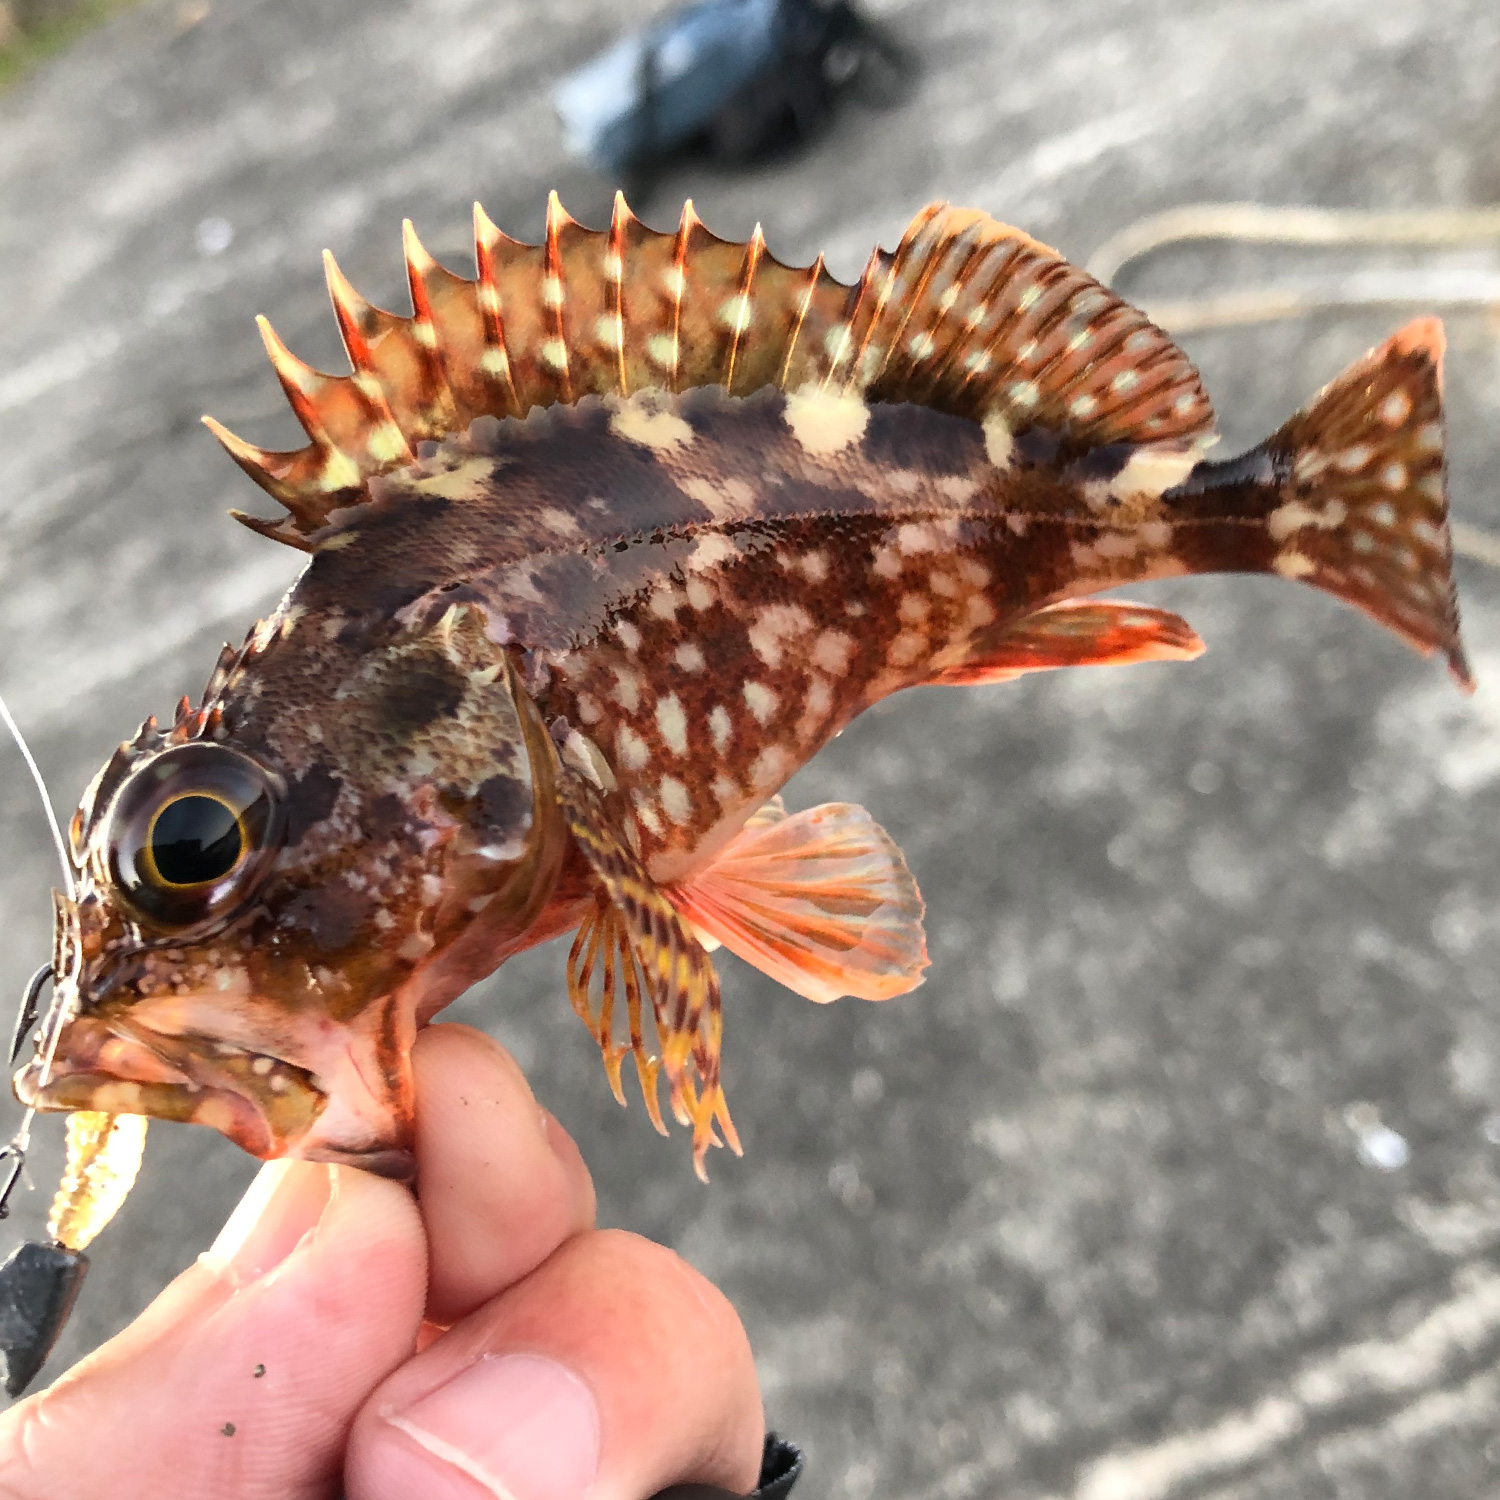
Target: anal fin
point(822, 902)
point(1077, 633)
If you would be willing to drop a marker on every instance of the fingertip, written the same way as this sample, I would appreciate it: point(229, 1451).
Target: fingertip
point(613, 1369)
point(501, 1183)
point(245, 1375)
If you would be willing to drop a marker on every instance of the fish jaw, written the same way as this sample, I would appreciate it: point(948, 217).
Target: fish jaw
point(328, 1091)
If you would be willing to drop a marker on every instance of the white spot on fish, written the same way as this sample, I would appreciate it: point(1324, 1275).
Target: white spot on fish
point(773, 624)
point(914, 608)
point(906, 648)
point(1117, 544)
point(699, 595)
point(1150, 472)
point(1395, 409)
point(650, 427)
point(770, 768)
point(675, 801)
point(831, 652)
point(913, 537)
point(559, 521)
point(1430, 437)
point(1293, 564)
point(689, 657)
point(999, 441)
point(588, 709)
point(735, 313)
point(645, 811)
point(720, 727)
point(1393, 476)
point(825, 421)
point(672, 722)
point(1383, 514)
point(1354, 458)
point(629, 636)
point(664, 603)
point(978, 612)
point(627, 689)
point(633, 750)
point(725, 498)
point(761, 701)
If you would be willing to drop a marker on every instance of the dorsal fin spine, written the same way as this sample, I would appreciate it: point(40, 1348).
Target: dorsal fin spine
point(554, 294)
point(614, 272)
point(350, 310)
point(496, 358)
point(740, 309)
point(419, 266)
point(678, 283)
point(300, 382)
point(814, 275)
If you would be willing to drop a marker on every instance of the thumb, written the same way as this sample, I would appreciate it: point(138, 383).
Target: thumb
point(241, 1380)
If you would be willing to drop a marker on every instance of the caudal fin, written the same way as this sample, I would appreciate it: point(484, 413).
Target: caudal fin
point(1364, 513)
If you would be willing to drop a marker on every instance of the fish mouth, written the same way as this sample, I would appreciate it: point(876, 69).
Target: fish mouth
point(118, 1066)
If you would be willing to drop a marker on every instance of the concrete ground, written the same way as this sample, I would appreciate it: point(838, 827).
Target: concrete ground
point(1181, 1176)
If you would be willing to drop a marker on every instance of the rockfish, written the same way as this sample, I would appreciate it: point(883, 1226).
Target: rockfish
point(603, 546)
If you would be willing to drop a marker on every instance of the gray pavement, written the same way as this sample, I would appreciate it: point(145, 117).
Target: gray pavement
point(1181, 1175)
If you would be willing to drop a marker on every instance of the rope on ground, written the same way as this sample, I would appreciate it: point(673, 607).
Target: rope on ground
point(1257, 223)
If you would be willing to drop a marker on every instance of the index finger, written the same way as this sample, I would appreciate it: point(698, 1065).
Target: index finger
point(500, 1182)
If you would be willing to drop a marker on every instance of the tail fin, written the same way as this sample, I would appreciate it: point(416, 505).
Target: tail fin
point(1364, 507)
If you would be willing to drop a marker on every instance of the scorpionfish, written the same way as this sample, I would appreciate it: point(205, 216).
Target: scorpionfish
point(602, 546)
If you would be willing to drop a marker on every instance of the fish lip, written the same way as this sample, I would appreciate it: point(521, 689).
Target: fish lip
point(119, 1065)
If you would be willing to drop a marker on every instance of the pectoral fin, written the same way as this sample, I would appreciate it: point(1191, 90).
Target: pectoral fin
point(822, 902)
point(1078, 633)
point(645, 945)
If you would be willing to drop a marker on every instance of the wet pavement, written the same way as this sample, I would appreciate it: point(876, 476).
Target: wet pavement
point(1181, 1175)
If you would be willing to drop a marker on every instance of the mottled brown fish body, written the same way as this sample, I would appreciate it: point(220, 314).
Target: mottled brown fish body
point(604, 545)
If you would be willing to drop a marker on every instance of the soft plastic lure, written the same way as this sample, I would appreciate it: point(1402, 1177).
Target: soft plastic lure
point(603, 546)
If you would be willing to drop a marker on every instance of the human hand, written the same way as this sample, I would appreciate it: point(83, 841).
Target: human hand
point(486, 1342)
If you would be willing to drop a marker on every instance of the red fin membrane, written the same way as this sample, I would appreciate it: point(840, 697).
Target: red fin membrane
point(822, 902)
point(1090, 633)
point(637, 934)
point(1365, 508)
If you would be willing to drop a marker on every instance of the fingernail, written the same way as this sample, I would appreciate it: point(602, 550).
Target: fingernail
point(286, 1200)
point(517, 1426)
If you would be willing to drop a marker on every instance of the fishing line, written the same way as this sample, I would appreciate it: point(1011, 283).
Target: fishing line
point(20, 1143)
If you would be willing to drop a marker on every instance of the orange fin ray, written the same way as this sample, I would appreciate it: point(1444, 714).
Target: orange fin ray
point(1077, 633)
point(639, 934)
point(821, 901)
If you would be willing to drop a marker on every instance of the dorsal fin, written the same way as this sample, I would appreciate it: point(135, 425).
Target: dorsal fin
point(967, 316)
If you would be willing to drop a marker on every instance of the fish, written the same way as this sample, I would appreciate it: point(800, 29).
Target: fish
point(602, 546)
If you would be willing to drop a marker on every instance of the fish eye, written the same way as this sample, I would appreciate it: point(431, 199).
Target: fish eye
point(190, 833)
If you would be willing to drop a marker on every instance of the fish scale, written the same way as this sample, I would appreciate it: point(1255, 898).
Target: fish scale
point(604, 545)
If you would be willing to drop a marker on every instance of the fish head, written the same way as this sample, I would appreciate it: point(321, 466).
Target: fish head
point(269, 902)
